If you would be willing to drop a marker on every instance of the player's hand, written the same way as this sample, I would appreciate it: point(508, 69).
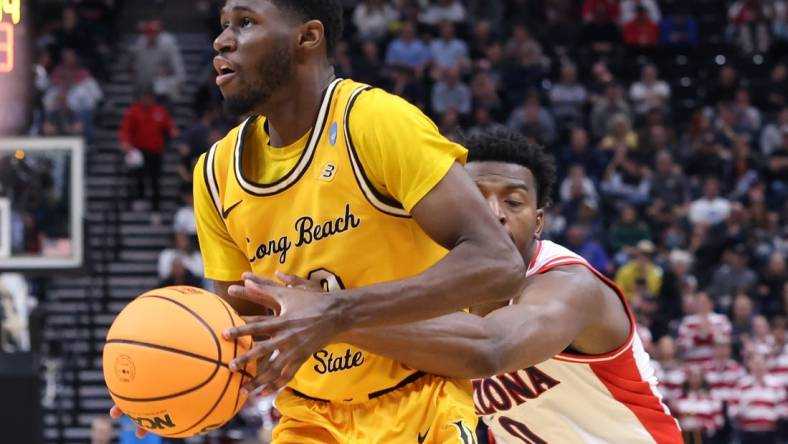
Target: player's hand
point(116, 413)
point(308, 320)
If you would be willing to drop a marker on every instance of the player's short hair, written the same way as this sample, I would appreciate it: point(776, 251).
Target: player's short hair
point(505, 145)
point(328, 12)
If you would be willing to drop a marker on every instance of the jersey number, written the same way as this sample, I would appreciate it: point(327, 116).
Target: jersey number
point(327, 279)
point(520, 430)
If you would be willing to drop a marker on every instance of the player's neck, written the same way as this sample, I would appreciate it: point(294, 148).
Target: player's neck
point(530, 251)
point(291, 113)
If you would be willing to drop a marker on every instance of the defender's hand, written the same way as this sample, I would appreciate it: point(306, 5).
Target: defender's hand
point(116, 413)
point(308, 321)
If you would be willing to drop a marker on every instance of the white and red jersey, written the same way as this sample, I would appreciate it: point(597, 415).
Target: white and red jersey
point(671, 377)
point(696, 340)
point(758, 405)
point(570, 398)
point(722, 378)
point(699, 411)
point(778, 367)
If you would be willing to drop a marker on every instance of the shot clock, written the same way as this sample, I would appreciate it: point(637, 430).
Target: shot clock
point(15, 66)
point(10, 16)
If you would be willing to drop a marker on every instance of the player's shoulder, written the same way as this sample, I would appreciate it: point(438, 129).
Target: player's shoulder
point(222, 151)
point(375, 102)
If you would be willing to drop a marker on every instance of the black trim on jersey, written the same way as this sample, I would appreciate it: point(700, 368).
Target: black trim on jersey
point(206, 179)
point(353, 153)
point(238, 157)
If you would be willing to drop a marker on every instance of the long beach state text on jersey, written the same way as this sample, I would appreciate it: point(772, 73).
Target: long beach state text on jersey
point(305, 231)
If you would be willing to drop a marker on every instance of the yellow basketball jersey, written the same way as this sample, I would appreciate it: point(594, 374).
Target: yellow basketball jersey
point(323, 220)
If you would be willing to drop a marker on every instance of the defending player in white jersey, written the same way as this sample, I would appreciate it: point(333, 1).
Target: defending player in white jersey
point(567, 364)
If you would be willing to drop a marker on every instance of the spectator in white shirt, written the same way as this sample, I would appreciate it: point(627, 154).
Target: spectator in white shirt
point(373, 18)
point(442, 10)
point(183, 258)
point(710, 209)
point(576, 178)
point(649, 92)
point(184, 221)
point(772, 134)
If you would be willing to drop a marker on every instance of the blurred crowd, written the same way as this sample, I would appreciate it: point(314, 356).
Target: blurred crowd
point(668, 119)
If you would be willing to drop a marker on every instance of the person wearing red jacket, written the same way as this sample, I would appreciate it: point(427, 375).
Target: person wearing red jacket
point(146, 127)
point(641, 31)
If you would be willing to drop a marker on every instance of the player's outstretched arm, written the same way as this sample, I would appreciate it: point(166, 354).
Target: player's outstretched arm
point(482, 265)
point(557, 310)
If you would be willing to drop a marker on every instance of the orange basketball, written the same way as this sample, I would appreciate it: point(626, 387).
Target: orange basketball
point(166, 362)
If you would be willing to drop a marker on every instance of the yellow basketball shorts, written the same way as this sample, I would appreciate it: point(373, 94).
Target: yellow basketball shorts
point(430, 410)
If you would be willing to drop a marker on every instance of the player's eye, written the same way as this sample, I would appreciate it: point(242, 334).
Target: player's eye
point(225, 25)
point(246, 21)
point(513, 203)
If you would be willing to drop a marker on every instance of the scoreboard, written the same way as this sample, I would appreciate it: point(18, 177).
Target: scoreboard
point(10, 16)
point(15, 67)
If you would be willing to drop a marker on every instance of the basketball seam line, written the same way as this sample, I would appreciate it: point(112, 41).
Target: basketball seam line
point(172, 350)
point(224, 390)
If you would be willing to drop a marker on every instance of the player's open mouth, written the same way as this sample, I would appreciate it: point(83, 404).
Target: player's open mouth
point(225, 71)
point(224, 77)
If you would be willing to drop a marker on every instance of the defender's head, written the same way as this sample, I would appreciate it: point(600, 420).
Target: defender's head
point(516, 177)
point(265, 43)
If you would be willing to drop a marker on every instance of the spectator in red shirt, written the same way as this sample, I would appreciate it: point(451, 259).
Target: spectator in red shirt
point(145, 128)
point(609, 7)
point(759, 404)
point(722, 372)
point(698, 332)
point(641, 31)
point(700, 415)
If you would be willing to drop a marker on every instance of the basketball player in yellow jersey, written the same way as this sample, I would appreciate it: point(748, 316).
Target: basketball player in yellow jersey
point(356, 189)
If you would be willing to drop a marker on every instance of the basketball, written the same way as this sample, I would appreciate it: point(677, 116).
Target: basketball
point(166, 364)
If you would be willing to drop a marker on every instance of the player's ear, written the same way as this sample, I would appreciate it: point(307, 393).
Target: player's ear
point(539, 223)
point(312, 35)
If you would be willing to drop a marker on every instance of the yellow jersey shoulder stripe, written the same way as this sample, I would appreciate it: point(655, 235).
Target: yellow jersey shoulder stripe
point(209, 174)
point(378, 200)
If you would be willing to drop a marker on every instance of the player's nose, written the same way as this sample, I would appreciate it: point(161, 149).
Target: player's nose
point(225, 42)
point(497, 210)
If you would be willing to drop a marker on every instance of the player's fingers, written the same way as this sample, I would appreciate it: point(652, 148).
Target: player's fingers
point(260, 351)
point(115, 412)
point(266, 327)
point(258, 293)
point(255, 319)
point(140, 433)
point(272, 369)
point(256, 278)
point(292, 280)
point(287, 375)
